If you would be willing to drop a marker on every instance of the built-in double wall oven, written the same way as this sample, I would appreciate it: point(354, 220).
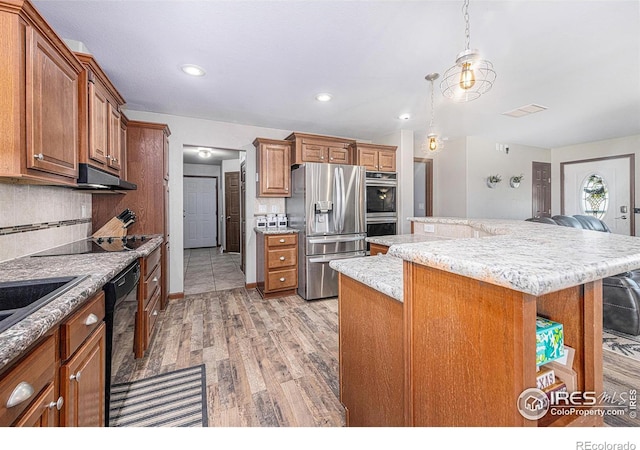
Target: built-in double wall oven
point(382, 204)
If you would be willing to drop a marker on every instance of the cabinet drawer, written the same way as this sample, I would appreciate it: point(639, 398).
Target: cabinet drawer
point(37, 370)
point(282, 279)
point(283, 257)
point(151, 262)
point(151, 315)
point(281, 240)
point(75, 330)
point(42, 412)
point(314, 153)
point(150, 285)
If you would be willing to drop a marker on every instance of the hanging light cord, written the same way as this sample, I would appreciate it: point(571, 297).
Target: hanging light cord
point(432, 111)
point(465, 13)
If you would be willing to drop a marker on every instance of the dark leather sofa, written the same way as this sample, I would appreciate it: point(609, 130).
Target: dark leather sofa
point(620, 293)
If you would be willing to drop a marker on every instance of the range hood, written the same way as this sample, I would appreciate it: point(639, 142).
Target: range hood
point(91, 178)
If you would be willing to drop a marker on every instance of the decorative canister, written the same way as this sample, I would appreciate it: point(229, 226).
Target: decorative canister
point(272, 222)
point(261, 222)
point(282, 221)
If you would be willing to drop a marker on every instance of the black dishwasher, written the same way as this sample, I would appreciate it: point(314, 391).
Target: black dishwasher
point(121, 302)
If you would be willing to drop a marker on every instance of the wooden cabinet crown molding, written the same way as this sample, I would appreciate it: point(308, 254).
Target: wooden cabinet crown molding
point(150, 125)
point(32, 17)
point(318, 137)
point(378, 147)
point(96, 72)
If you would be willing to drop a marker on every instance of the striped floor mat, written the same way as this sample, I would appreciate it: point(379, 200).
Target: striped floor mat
point(621, 343)
point(174, 399)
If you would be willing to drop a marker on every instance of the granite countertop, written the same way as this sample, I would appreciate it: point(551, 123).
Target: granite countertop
point(381, 272)
point(394, 239)
point(276, 230)
point(529, 257)
point(100, 268)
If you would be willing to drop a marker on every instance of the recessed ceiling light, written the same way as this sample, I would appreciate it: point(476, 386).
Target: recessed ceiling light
point(204, 153)
point(323, 97)
point(406, 116)
point(193, 70)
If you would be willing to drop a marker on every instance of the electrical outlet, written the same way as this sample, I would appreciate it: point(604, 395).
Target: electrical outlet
point(274, 208)
point(262, 208)
point(84, 211)
point(429, 228)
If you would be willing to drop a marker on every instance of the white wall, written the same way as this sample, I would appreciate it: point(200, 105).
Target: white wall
point(609, 147)
point(502, 202)
point(450, 180)
point(403, 139)
point(206, 133)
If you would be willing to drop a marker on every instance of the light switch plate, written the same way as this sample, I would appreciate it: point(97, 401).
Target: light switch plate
point(262, 208)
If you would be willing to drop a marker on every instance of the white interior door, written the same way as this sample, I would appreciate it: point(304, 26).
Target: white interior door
point(200, 212)
point(616, 180)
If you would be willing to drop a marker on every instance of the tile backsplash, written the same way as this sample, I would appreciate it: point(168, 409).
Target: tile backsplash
point(35, 218)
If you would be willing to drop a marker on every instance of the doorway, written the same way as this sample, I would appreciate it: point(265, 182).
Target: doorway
point(602, 187)
point(200, 211)
point(541, 189)
point(232, 211)
point(422, 187)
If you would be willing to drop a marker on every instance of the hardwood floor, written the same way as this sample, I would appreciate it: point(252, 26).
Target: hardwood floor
point(275, 362)
point(268, 362)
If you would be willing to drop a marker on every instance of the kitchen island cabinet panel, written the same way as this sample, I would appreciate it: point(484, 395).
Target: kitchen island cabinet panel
point(371, 356)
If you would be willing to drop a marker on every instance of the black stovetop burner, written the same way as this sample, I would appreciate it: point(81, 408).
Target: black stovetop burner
point(97, 245)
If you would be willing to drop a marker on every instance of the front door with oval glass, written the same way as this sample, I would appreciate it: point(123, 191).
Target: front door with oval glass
point(600, 188)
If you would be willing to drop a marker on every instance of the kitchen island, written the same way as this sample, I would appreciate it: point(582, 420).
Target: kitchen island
point(458, 347)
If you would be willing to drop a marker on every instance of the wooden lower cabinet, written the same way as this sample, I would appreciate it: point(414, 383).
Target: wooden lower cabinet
point(23, 387)
point(277, 264)
point(65, 373)
point(455, 343)
point(82, 383)
point(42, 412)
point(377, 249)
point(149, 300)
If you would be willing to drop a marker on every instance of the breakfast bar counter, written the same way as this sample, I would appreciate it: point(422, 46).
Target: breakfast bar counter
point(471, 293)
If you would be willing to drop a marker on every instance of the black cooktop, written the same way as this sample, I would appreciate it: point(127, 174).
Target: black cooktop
point(97, 245)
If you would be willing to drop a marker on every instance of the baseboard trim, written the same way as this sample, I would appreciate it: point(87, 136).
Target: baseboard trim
point(176, 296)
point(251, 285)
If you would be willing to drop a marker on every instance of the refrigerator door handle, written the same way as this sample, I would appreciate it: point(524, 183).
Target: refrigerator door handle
point(338, 203)
point(336, 239)
point(327, 258)
point(344, 200)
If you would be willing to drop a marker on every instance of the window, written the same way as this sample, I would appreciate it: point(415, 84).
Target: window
point(595, 196)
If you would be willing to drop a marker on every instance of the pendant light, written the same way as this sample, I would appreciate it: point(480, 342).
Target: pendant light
point(471, 76)
point(432, 143)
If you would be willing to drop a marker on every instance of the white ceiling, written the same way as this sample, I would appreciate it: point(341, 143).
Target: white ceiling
point(191, 155)
point(266, 60)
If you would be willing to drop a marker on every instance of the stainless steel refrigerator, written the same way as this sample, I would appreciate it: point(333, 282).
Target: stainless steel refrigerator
point(327, 205)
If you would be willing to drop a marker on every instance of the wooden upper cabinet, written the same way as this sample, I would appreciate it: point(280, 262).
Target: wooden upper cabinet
point(375, 157)
point(39, 106)
point(274, 167)
point(99, 124)
point(99, 118)
point(317, 148)
point(123, 146)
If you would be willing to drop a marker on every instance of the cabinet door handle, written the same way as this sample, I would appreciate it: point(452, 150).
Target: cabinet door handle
point(76, 376)
point(155, 279)
point(108, 157)
point(282, 258)
point(282, 279)
point(39, 156)
point(91, 319)
point(23, 391)
point(282, 241)
point(57, 405)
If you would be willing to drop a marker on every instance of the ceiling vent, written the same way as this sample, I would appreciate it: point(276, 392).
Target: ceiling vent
point(524, 110)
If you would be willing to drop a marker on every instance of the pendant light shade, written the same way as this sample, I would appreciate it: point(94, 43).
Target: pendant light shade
point(432, 143)
point(471, 76)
